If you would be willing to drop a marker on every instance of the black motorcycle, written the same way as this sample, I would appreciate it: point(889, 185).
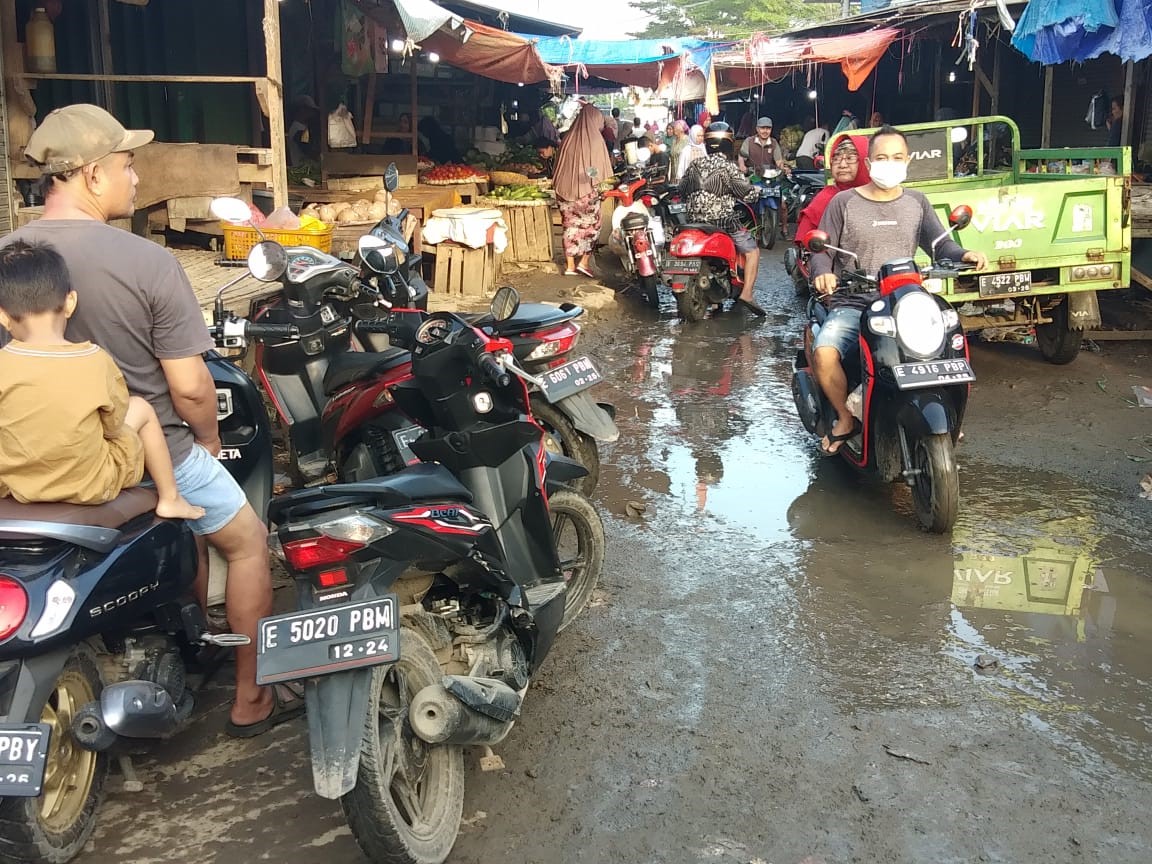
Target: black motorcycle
point(98, 624)
point(909, 384)
point(429, 598)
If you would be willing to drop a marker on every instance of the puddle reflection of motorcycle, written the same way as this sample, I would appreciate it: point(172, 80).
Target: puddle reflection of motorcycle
point(908, 385)
point(703, 387)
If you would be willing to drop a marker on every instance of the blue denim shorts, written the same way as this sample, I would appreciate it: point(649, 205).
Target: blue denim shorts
point(205, 482)
point(840, 330)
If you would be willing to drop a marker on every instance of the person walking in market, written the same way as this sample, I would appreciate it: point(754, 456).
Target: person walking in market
point(581, 165)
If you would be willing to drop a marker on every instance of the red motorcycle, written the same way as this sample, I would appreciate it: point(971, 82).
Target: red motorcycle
point(702, 267)
point(643, 234)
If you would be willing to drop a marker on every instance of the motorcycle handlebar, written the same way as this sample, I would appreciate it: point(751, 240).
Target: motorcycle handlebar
point(494, 371)
point(271, 331)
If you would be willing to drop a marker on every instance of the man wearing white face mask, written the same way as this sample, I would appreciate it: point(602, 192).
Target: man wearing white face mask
point(879, 221)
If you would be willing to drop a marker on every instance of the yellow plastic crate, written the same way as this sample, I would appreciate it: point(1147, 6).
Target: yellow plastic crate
point(239, 239)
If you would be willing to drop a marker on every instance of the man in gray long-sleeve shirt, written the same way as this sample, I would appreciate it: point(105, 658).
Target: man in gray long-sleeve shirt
point(880, 221)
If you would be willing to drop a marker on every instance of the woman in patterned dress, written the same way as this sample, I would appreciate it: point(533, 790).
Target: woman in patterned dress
point(581, 166)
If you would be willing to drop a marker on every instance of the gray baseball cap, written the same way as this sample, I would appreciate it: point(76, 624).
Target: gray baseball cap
point(764, 121)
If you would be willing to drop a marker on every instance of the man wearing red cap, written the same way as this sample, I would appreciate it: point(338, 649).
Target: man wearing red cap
point(136, 303)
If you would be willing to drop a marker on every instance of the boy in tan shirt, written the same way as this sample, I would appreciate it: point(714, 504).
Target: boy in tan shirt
point(68, 429)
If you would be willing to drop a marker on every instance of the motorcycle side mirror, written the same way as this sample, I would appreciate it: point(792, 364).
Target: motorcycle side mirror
point(379, 255)
point(231, 210)
point(505, 303)
point(391, 177)
point(268, 261)
point(816, 242)
point(960, 217)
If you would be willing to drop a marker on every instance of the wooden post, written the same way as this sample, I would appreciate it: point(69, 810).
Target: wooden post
point(1126, 128)
point(103, 37)
point(277, 141)
point(936, 80)
point(996, 77)
point(412, 109)
point(1046, 125)
point(369, 107)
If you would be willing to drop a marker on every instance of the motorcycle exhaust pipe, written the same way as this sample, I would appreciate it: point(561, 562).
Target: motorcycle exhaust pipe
point(464, 711)
point(129, 709)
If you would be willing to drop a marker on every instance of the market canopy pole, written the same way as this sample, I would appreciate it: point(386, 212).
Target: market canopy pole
point(274, 107)
point(1126, 129)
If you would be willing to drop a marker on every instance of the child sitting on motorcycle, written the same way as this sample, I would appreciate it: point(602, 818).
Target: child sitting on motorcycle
point(711, 187)
point(68, 430)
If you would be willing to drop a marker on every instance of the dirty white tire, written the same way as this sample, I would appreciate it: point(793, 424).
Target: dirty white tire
point(406, 806)
point(55, 827)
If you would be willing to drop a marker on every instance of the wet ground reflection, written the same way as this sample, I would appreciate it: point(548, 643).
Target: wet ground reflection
point(1047, 579)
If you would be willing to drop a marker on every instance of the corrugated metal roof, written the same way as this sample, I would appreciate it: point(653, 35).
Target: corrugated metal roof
point(924, 12)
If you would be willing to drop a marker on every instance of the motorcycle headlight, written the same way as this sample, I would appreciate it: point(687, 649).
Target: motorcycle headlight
point(919, 325)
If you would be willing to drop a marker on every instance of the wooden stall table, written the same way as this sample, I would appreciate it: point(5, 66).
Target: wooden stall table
point(529, 230)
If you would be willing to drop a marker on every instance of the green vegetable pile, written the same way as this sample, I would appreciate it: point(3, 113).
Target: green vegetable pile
point(519, 193)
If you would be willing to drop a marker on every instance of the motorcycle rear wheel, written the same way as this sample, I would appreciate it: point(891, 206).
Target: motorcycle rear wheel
point(54, 828)
point(562, 437)
point(650, 290)
point(583, 566)
point(936, 490)
point(409, 795)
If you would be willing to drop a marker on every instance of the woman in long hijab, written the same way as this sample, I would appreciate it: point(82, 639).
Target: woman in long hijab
point(676, 147)
point(692, 151)
point(581, 166)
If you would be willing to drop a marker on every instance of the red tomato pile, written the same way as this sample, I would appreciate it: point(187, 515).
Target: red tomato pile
point(453, 174)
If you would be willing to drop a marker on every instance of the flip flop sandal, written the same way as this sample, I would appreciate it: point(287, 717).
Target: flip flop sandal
point(282, 711)
point(586, 272)
point(570, 273)
point(752, 307)
point(833, 439)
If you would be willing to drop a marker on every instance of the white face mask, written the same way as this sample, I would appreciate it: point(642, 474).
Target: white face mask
point(888, 175)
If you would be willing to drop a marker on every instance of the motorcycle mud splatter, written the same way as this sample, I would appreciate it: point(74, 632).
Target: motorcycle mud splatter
point(779, 664)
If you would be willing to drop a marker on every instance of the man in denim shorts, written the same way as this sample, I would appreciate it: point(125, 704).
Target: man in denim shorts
point(136, 303)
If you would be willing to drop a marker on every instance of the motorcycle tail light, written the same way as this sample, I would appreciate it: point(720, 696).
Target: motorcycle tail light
point(332, 578)
point(13, 606)
point(318, 552)
point(555, 342)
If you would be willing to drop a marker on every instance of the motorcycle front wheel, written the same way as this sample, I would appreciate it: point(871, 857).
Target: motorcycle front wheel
point(936, 487)
point(409, 795)
point(55, 827)
point(579, 536)
point(769, 228)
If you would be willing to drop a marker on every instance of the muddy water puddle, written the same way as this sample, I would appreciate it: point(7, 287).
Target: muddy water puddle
point(1044, 584)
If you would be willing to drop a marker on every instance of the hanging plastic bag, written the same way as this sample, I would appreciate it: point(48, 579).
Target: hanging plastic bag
point(341, 131)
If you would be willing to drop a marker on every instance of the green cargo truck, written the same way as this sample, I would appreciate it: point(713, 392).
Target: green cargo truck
point(1055, 225)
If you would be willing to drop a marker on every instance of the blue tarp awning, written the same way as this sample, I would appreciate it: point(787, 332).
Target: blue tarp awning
point(634, 61)
point(1057, 31)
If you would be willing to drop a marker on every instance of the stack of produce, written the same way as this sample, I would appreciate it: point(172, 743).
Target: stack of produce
point(346, 213)
point(515, 195)
point(447, 175)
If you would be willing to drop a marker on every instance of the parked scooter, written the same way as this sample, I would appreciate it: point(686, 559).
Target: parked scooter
point(908, 387)
point(317, 381)
point(429, 598)
point(641, 235)
point(98, 621)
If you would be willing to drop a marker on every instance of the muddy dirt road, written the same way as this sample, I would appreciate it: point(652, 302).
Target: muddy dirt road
point(780, 664)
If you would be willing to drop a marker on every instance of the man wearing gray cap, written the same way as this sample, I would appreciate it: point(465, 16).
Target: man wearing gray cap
point(136, 303)
point(761, 152)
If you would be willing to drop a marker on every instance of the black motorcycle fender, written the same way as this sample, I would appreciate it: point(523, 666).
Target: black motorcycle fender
point(337, 711)
point(926, 412)
point(561, 470)
point(589, 417)
point(30, 682)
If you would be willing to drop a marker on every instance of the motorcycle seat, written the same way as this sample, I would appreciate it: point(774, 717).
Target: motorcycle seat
point(352, 366)
point(536, 316)
point(701, 226)
point(121, 510)
point(428, 481)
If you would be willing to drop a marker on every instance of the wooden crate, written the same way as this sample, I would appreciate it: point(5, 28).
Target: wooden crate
point(529, 233)
point(461, 271)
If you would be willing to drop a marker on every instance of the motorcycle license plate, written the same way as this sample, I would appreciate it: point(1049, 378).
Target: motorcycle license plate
point(23, 757)
point(687, 266)
point(569, 379)
point(677, 208)
point(403, 438)
point(1000, 284)
point(332, 639)
point(911, 376)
